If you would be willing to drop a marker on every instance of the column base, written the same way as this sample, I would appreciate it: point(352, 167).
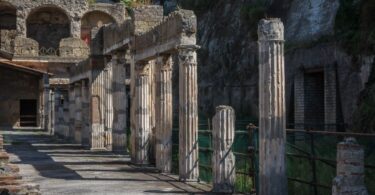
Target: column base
point(99, 149)
point(189, 180)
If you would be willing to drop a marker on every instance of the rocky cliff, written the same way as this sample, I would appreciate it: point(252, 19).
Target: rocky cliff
point(318, 33)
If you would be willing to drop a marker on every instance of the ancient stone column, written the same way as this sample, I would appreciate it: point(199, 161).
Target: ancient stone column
point(188, 114)
point(71, 112)
point(163, 114)
point(85, 113)
point(51, 120)
point(223, 159)
point(78, 113)
point(272, 173)
point(119, 103)
point(350, 169)
point(140, 150)
point(108, 104)
point(46, 103)
point(97, 104)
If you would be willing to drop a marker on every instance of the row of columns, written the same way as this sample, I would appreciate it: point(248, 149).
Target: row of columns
point(188, 113)
point(108, 105)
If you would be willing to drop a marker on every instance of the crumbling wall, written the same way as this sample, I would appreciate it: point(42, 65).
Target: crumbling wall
point(74, 9)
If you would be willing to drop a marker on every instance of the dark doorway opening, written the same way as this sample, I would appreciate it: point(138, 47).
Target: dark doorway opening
point(28, 113)
point(314, 100)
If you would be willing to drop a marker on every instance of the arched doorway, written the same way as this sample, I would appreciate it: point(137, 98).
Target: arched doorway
point(48, 25)
point(8, 16)
point(92, 20)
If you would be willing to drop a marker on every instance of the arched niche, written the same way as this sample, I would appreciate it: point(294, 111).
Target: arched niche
point(48, 25)
point(8, 16)
point(94, 19)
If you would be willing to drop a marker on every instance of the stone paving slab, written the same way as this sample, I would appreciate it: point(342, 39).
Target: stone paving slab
point(62, 168)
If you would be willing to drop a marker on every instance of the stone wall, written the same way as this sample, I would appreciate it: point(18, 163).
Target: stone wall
point(117, 35)
point(27, 86)
point(146, 17)
point(6, 37)
point(179, 28)
point(73, 9)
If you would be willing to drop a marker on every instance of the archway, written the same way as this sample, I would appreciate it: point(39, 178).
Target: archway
point(92, 20)
point(8, 16)
point(48, 25)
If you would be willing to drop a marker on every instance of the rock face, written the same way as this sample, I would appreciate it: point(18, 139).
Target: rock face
point(309, 20)
point(228, 72)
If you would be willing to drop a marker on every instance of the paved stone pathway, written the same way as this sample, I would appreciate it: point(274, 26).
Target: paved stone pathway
point(63, 168)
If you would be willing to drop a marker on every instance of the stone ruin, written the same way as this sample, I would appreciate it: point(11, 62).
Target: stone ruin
point(10, 179)
point(350, 169)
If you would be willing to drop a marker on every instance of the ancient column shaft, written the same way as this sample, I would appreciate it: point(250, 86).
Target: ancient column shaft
point(78, 113)
point(71, 111)
point(85, 113)
point(163, 114)
point(272, 173)
point(97, 110)
point(188, 114)
point(108, 117)
point(142, 129)
point(350, 169)
point(119, 103)
point(223, 159)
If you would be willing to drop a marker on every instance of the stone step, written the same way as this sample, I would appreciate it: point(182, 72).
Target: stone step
point(9, 168)
point(4, 157)
point(10, 182)
point(10, 177)
point(12, 189)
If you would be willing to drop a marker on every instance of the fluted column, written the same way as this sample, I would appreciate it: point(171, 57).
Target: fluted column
point(188, 114)
point(119, 103)
point(163, 114)
point(78, 113)
point(223, 159)
point(108, 104)
point(141, 134)
point(97, 105)
point(272, 175)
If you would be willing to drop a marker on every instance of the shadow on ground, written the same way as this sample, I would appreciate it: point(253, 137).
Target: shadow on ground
point(57, 165)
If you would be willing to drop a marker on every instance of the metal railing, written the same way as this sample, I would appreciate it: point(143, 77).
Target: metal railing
point(43, 51)
point(311, 159)
point(243, 149)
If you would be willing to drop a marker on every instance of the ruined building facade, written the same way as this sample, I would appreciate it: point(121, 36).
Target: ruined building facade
point(87, 72)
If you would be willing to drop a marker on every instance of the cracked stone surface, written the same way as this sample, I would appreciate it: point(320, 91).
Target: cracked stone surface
point(63, 168)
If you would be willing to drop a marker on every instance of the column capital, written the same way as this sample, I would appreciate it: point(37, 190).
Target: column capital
point(142, 67)
point(271, 30)
point(165, 62)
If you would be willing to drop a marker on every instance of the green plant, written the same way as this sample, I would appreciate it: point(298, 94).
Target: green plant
point(133, 3)
point(91, 1)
